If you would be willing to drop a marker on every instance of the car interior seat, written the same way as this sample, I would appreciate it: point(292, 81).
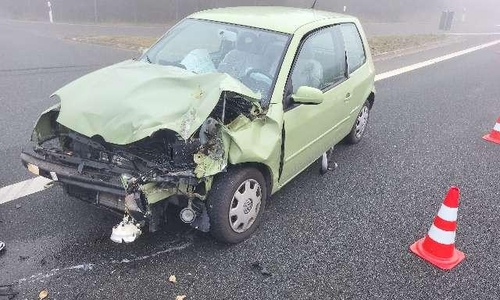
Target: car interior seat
point(271, 57)
point(244, 57)
point(307, 71)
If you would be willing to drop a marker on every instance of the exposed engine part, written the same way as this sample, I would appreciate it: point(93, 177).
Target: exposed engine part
point(202, 221)
point(148, 201)
point(128, 230)
point(165, 151)
point(223, 117)
point(187, 214)
point(208, 130)
point(230, 106)
point(131, 203)
point(135, 207)
point(157, 216)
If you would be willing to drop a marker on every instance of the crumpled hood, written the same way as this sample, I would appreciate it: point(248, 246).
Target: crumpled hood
point(131, 100)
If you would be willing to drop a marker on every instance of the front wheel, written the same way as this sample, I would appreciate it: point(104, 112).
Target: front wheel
point(235, 204)
point(359, 127)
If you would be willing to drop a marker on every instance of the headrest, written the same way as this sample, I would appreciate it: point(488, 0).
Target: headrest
point(248, 42)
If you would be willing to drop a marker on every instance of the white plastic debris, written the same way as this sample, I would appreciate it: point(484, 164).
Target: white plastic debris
point(2, 245)
point(43, 294)
point(127, 231)
point(172, 279)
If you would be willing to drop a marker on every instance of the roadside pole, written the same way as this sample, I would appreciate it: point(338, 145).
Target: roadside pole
point(51, 18)
point(95, 11)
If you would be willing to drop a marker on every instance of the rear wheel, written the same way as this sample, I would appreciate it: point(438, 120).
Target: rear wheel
point(235, 204)
point(359, 127)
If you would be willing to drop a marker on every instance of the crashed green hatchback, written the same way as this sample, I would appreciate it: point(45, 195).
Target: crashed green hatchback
point(220, 113)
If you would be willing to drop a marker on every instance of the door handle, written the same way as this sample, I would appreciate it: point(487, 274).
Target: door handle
point(347, 97)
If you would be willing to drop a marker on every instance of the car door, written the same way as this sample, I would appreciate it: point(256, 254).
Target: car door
point(310, 129)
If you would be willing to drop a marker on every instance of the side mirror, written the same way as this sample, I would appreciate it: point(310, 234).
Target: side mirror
point(308, 95)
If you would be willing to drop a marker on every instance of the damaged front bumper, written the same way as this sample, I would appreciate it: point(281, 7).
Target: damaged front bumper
point(121, 190)
point(89, 178)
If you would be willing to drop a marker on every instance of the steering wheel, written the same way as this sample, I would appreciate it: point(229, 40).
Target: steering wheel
point(258, 71)
point(256, 85)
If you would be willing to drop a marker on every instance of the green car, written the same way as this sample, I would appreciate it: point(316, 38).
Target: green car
point(219, 114)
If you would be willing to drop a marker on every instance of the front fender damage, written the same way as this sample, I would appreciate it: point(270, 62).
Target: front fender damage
point(226, 138)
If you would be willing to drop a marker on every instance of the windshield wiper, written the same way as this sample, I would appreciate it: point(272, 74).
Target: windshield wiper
point(147, 59)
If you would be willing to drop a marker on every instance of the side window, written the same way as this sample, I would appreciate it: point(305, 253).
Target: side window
point(354, 46)
point(320, 62)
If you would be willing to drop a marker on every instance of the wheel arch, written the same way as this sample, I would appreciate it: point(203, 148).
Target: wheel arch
point(371, 99)
point(263, 169)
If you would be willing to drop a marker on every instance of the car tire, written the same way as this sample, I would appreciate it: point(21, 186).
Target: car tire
point(233, 219)
point(359, 128)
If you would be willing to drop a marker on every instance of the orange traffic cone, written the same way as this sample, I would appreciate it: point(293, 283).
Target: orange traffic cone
point(438, 246)
point(494, 135)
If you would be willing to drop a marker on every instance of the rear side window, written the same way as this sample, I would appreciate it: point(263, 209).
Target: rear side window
point(356, 56)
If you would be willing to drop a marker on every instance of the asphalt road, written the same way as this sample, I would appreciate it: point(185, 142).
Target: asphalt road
point(338, 236)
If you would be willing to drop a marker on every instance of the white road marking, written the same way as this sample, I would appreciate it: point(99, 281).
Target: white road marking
point(433, 61)
point(31, 186)
point(23, 188)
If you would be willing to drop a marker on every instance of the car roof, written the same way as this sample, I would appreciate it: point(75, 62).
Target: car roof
point(276, 18)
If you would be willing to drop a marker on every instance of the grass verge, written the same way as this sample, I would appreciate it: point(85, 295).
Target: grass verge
point(119, 41)
point(379, 44)
point(393, 43)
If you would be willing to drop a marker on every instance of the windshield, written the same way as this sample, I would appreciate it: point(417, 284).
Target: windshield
point(248, 54)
